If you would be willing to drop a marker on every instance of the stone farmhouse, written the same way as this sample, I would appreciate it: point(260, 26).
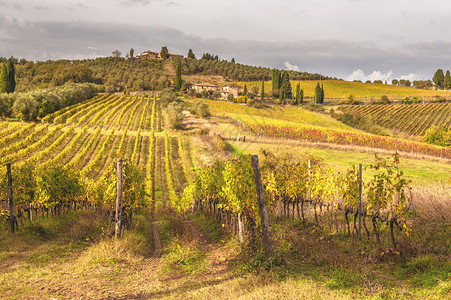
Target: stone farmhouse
point(156, 55)
point(223, 91)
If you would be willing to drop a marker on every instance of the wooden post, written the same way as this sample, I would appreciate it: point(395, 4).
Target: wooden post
point(309, 192)
point(360, 201)
point(118, 230)
point(240, 228)
point(244, 138)
point(238, 138)
point(261, 206)
point(10, 196)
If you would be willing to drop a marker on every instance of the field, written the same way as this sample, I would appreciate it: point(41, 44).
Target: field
point(413, 119)
point(191, 202)
point(336, 90)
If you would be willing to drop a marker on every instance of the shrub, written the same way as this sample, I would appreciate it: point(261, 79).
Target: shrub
point(176, 115)
point(201, 109)
point(167, 96)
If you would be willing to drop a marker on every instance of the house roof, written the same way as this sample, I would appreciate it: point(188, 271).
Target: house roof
point(206, 84)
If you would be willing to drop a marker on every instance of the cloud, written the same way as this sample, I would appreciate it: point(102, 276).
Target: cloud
point(376, 75)
point(38, 40)
point(412, 77)
point(148, 2)
point(291, 67)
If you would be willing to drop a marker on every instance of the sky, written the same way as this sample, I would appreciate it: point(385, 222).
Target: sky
point(348, 39)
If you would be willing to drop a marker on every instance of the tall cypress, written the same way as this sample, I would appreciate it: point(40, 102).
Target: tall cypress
point(4, 79)
point(11, 76)
point(275, 80)
point(301, 97)
point(262, 90)
point(285, 88)
point(245, 90)
point(447, 81)
point(317, 98)
point(178, 76)
point(298, 94)
point(322, 93)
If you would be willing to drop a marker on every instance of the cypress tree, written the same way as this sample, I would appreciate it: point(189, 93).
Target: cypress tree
point(262, 90)
point(4, 79)
point(164, 53)
point(285, 88)
point(317, 98)
point(301, 97)
point(178, 76)
point(191, 54)
point(245, 90)
point(447, 81)
point(11, 76)
point(322, 93)
point(298, 94)
point(276, 80)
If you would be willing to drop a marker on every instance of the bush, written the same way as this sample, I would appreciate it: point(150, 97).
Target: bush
point(383, 100)
point(438, 135)
point(176, 115)
point(167, 96)
point(201, 109)
point(230, 97)
point(242, 99)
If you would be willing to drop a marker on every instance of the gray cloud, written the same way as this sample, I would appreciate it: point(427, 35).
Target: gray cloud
point(15, 6)
point(55, 40)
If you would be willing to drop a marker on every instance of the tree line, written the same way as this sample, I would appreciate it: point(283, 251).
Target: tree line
point(41, 102)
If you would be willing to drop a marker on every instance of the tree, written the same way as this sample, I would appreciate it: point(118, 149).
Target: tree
point(276, 80)
point(394, 81)
point(438, 79)
point(132, 52)
point(244, 90)
point(178, 76)
point(191, 54)
point(301, 97)
point(262, 91)
point(233, 60)
point(322, 93)
point(285, 87)
point(164, 53)
point(11, 76)
point(4, 79)
point(298, 94)
point(117, 53)
point(447, 81)
point(405, 82)
point(317, 98)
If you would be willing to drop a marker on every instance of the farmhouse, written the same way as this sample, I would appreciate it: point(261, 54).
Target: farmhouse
point(156, 55)
point(223, 91)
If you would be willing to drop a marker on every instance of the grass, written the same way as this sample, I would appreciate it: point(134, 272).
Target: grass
point(419, 171)
point(341, 90)
point(201, 261)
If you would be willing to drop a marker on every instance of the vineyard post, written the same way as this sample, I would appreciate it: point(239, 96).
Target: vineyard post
point(10, 196)
point(309, 191)
point(118, 230)
point(261, 206)
point(360, 201)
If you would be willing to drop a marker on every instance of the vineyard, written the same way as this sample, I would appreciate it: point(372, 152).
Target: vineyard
point(173, 191)
point(340, 90)
point(413, 119)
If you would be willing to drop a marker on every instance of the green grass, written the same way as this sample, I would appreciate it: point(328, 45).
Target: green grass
point(418, 170)
point(340, 90)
